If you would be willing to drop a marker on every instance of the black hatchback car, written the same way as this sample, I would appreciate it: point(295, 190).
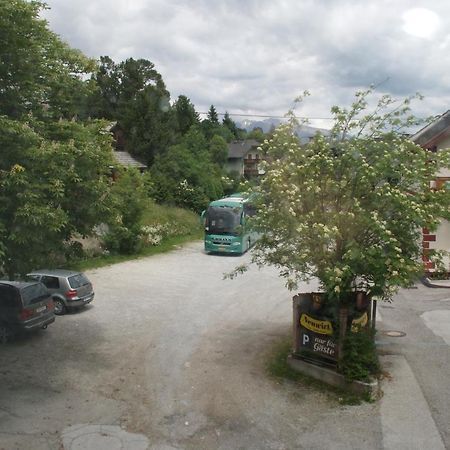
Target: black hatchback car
point(24, 306)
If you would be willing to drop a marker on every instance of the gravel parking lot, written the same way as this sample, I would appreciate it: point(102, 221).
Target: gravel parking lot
point(172, 351)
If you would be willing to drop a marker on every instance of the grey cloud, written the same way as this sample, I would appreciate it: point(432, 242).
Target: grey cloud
point(256, 56)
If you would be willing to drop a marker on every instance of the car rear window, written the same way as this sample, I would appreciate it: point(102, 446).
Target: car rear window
point(34, 294)
point(8, 296)
point(78, 280)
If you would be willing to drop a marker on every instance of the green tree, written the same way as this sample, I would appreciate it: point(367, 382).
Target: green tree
point(39, 73)
point(210, 130)
point(218, 149)
point(185, 113)
point(196, 143)
point(349, 209)
point(185, 175)
point(257, 133)
point(84, 158)
point(129, 197)
point(104, 97)
point(212, 115)
point(49, 189)
point(211, 126)
point(231, 125)
point(53, 171)
point(134, 94)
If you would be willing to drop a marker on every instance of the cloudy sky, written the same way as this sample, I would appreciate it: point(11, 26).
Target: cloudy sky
point(255, 56)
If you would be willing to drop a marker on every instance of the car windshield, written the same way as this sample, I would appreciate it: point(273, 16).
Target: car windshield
point(223, 219)
point(78, 280)
point(34, 294)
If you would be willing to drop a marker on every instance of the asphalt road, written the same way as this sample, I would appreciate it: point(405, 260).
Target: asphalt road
point(176, 355)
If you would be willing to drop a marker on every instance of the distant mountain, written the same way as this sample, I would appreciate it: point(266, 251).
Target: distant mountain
point(265, 125)
point(304, 132)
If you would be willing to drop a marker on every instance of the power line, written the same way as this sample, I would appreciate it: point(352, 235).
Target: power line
point(269, 116)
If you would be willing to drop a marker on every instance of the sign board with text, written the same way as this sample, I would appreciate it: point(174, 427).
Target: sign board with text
point(316, 335)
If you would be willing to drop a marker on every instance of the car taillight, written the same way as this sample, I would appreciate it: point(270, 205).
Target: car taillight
point(71, 293)
point(26, 313)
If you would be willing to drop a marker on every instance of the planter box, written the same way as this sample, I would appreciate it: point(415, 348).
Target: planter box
point(314, 334)
point(331, 377)
point(316, 348)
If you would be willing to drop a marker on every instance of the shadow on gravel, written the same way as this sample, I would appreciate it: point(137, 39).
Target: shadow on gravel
point(60, 356)
point(223, 255)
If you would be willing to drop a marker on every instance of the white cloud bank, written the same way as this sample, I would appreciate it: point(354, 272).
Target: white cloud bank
point(255, 57)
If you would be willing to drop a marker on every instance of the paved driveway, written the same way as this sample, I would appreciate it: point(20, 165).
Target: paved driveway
point(175, 354)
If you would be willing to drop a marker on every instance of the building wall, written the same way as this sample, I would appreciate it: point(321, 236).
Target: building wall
point(440, 239)
point(247, 165)
point(444, 144)
point(235, 165)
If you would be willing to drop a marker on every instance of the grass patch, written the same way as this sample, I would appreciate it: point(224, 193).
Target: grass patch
point(166, 245)
point(278, 368)
point(167, 228)
point(277, 365)
point(155, 213)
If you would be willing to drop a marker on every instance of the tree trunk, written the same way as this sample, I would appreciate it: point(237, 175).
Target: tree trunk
point(343, 319)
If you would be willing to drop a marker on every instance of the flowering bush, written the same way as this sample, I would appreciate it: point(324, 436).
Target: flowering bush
point(190, 196)
point(154, 234)
point(349, 208)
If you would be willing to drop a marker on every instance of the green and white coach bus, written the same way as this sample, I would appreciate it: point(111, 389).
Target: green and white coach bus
point(226, 225)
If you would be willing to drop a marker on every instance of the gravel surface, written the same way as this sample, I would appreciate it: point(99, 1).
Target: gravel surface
point(170, 350)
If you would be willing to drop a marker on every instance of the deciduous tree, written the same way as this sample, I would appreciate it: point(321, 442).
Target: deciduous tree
point(50, 189)
point(39, 73)
point(53, 171)
point(133, 93)
point(350, 208)
point(185, 175)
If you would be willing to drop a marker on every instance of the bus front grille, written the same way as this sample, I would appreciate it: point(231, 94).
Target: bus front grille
point(216, 242)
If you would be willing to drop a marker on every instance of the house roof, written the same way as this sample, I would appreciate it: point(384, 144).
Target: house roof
point(238, 149)
point(433, 132)
point(127, 160)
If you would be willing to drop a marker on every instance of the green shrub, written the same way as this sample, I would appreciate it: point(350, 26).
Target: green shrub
point(129, 198)
point(123, 240)
point(360, 360)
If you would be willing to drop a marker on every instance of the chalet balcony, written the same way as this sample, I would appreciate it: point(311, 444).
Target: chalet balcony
point(251, 168)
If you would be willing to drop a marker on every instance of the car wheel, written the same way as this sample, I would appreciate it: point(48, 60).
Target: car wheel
point(5, 333)
point(60, 307)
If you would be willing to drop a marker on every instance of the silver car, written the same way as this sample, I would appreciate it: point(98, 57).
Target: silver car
point(69, 289)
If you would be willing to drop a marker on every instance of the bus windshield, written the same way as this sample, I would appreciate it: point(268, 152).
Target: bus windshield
point(223, 220)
